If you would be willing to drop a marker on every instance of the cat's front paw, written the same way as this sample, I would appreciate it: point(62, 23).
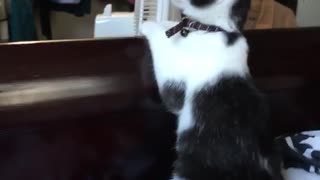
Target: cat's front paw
point(149, 27)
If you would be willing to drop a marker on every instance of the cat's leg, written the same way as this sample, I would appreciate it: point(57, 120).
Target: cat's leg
point(166, 68)
point(173, 95)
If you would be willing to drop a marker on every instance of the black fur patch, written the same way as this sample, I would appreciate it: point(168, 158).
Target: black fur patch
point(239, 12)
point(201, 3)
point(173, 94)
point(232, 37)
point(231, 127)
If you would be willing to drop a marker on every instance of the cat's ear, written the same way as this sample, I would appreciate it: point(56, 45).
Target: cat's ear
point(180, 4)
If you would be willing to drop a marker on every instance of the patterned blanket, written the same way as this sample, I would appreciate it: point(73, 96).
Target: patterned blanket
point(301, 155)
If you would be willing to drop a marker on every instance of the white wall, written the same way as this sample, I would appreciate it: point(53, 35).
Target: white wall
point(68, 26)
point(308, 13)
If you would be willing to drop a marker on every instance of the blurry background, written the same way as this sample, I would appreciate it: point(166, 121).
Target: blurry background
point(28, 20)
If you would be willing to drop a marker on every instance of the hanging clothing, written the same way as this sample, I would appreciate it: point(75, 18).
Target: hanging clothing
point(21, 22)
point(79, 9)
point(66, 1)
point(131, 5)
point(131, 1)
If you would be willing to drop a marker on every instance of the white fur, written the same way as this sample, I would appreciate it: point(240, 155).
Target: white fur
point(196, 60)
point(185, 119)
point(177, 178)
point(264, 163)
point(217, 13)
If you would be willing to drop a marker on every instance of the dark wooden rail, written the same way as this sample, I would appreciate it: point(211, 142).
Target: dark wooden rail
point(89, 109)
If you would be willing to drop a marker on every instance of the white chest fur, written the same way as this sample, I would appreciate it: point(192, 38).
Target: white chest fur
point(196, 60)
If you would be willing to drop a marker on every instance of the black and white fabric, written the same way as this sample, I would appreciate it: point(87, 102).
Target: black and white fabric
point(301, 155)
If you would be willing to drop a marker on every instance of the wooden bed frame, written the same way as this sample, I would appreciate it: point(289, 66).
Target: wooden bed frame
point(124, 132)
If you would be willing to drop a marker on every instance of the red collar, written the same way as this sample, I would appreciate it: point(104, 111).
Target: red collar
point(186, 25)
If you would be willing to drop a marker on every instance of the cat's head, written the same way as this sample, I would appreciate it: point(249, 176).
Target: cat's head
point(230, 14)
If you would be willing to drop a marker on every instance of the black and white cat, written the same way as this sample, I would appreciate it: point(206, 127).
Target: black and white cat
point(223, 127)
